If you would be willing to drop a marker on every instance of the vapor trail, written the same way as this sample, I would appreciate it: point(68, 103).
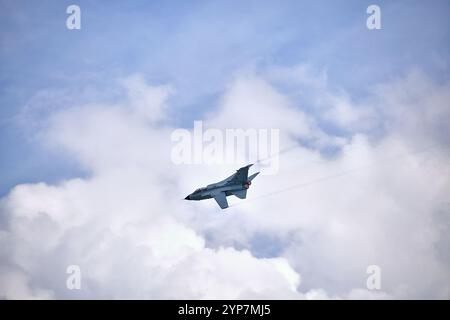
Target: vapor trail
point(339, 174)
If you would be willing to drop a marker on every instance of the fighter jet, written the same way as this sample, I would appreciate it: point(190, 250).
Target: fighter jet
point(236, 184)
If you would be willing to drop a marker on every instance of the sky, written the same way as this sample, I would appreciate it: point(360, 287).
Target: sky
point(87, 177)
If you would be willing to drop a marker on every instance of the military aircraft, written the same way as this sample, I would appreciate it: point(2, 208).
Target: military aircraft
point(236, 184)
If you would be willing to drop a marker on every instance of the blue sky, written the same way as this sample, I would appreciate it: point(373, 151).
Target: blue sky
point(198, 46)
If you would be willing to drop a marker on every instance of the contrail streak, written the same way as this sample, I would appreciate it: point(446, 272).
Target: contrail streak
point(337, 175)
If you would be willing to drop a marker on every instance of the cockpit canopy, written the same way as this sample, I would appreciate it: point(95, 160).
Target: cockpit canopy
point(199, 190)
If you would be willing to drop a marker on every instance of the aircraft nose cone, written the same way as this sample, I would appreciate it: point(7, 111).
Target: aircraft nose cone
point(187, 198)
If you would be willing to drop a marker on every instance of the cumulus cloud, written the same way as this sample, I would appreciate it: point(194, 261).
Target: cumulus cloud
point(120, 224)
point(380, 201)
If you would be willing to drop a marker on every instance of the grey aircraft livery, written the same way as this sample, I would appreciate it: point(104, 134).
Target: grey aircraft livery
point(236, 184)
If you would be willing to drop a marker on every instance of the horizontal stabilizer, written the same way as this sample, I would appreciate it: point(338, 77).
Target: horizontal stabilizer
point(252, 176)
point(240, 194)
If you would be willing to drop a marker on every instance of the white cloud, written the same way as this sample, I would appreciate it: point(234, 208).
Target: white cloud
point(127, 228)
point(16, 285)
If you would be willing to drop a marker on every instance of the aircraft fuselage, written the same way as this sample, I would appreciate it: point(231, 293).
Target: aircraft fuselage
point(236, 184)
